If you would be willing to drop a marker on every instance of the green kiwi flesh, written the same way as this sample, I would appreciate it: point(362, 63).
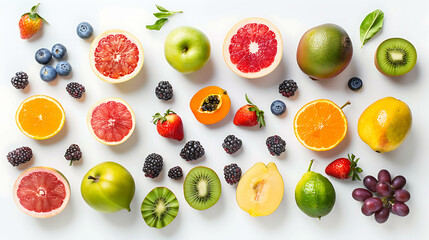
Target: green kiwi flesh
point(202, 188)
point(395, 57)
point(160, 207)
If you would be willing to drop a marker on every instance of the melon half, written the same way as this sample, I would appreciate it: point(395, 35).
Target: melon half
point(253, 48)
point(116, 56)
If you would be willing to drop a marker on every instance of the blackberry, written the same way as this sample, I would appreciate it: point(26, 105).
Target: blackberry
point(19, 156)
point(231, 144)
point(164, 90)
point(73, 153)
point(152, 165)
point(192, 151)
point(75, 89)
point(288, 88)
point(232, 173)
point(276, 145)
point(20, 80)
point(175, 173)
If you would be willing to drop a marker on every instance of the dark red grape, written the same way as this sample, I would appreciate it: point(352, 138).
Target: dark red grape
point(384, 176)
point(398, 182)
point(384, 189)
point(373, 204)
point(365, 212)
point(402, 195)
point(369, 182)
point(400, 209)
point(382, 215)
point(361, 194)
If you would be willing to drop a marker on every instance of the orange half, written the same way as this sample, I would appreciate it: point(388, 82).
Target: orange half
point(320, 125)
point(40, 117)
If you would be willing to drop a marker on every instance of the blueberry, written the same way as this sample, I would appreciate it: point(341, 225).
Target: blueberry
point(63, 68)
point(59, 51)
point(84, 30)
point(48, 73)
point(355, 83)
point(278, 107)
point(43, 56)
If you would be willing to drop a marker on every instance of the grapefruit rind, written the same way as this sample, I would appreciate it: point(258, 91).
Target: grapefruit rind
point(89, 117)
point(125, 78)
point(262, 72)
point(36, 137)
point(58, 175)
point(302, 141)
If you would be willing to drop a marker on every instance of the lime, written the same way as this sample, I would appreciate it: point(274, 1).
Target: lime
point(314, 194)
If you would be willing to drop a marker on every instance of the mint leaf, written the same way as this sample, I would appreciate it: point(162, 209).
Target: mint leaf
point(157, 25)
point(161, 8)
point(371, 25)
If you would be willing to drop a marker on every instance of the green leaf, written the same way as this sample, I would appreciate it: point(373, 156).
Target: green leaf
point(161, 8)
point(34, 8)
point(157, 25)
point(371, 25)
point(252, 109)
point(165, 14)
point(247, 99)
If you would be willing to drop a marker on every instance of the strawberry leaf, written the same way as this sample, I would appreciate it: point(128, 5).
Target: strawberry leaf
point(354, 169)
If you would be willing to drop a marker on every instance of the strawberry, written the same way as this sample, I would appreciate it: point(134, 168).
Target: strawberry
point(249, 115)
point(343, 168)
point(170, 125)
point(30, 23)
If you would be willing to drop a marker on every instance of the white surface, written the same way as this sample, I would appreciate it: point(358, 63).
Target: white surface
point(225, 220)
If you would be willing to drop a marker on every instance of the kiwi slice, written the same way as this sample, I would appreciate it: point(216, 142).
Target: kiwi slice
point(395, 57)
point(202, 188)
point(160, 207)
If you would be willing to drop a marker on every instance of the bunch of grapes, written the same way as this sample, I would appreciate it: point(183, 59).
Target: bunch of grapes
point(383, 196)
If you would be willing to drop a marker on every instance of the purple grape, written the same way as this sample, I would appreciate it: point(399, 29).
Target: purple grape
point(400, 209)
point(361, 194)
point(382, 215)
point(384, 189)
point(369, 182)
point(398, 182)
point(365, 212)
point(373, 204)
point(384, 176)
point(402, 195)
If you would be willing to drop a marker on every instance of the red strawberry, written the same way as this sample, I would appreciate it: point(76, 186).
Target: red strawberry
point(170, 125)
point(30, 23)
point(249, 115)
point(344, 168)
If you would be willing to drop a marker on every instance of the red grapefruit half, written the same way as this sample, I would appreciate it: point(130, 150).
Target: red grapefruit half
point(253, 48)
point(41, 192)
point(111, 121)
point(116, 56)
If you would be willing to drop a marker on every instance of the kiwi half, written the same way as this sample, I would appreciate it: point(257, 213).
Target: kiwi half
point(160, 207)
point(395, 57)
point(202, 188)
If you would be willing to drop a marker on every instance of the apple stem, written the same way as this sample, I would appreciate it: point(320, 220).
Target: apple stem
point(185, 50)
point(93, 178)
point(311, 163)
point(345, 104)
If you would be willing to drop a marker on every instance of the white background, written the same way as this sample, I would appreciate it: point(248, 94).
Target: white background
point(407, 19)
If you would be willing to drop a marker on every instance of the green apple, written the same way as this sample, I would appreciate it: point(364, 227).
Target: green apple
point(108, 187)
point(187, 49)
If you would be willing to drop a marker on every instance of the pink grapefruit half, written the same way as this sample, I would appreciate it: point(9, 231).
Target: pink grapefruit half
point(111, 121)
point(116, 56)
point(41, 192)
point(253, 48)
